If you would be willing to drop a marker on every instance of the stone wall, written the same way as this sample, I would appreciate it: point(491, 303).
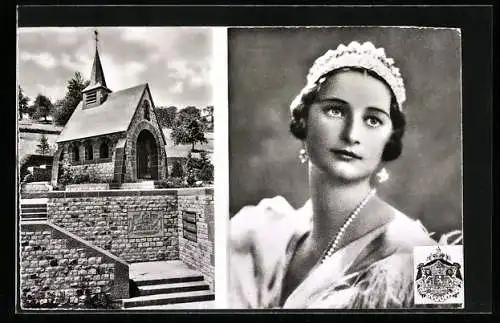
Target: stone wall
point(103, 171)
point(59, 272)
point(197, 251)
point(99, 168)
point(133, 225)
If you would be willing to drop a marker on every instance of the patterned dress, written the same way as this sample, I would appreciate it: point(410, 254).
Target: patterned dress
point(372, 272)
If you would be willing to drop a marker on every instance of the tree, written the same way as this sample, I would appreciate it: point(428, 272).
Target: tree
point(166, 116)
point(191, 111)
point(65, 107)
point(42, 107)
point(66, 175)
point(43, 146)
point(160, 116)
point(208, 117)
point(192, 169)
point(188, 127)
point(170, 114)
point(199, 168)
point(22, 103)
point(177, 170)
point(206, 172)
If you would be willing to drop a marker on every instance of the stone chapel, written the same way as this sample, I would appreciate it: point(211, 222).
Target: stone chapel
point(113, 136)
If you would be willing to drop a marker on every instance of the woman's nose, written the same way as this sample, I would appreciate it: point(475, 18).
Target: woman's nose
point(351, 131)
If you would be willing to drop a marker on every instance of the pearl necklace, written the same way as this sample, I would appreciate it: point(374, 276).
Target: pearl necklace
point(333, 245)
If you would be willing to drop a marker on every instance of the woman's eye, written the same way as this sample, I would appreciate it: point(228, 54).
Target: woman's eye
point(334, 111)
point(373, 122)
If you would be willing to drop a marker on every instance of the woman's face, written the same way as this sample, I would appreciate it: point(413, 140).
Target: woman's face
point(348, 125)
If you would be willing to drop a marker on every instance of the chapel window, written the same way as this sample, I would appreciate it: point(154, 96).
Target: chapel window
point(104, 150)
point(76, 153)
point(89, 151)
point(145, 106)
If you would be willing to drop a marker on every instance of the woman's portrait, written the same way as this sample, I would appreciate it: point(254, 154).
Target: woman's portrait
point(345, 155)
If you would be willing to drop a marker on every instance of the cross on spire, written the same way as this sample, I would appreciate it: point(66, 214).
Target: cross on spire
point(96, 33)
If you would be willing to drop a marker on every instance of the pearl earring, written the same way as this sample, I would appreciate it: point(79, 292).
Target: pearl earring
point(303, 156)
point(382, 175)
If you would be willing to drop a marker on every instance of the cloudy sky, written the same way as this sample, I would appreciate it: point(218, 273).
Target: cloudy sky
point(176, 62)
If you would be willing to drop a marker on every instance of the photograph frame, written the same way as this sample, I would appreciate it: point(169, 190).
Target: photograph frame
point(474, 21)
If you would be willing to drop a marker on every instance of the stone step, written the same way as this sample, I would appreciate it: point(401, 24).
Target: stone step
point(33, 208)
point(159, 280)
point(205, 305)
point(34, 201)
point(33, 219)
point(173, 288)
point(162, 299)
point(34, 215)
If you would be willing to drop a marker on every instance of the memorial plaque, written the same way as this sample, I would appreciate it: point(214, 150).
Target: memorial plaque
point(189, 216)
point(189, 236)
point(145, 224)
point(189, 229)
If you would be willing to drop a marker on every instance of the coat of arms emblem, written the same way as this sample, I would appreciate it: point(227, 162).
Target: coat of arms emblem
point(439, 279)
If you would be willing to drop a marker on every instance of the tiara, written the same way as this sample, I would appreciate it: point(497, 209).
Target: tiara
point(364, 55)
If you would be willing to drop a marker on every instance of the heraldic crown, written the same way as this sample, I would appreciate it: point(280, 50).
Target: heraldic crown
point(364, 55)
point(438, 254)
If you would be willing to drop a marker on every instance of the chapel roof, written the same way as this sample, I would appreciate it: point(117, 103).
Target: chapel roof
point(113, 115)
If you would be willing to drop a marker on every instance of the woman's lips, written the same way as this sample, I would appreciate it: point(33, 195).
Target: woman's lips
point(345, 154)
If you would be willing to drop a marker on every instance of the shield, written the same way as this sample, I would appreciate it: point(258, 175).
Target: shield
point(438, 279)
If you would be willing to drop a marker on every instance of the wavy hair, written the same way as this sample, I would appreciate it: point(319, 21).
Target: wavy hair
point(300, 112)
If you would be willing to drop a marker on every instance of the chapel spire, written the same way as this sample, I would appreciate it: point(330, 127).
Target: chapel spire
point(97, 74)
point(97, 91)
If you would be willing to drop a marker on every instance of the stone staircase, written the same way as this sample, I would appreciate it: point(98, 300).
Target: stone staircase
point(34, 210)
point(176, 287)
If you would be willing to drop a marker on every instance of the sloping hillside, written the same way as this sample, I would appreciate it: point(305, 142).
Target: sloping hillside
point(30, 134)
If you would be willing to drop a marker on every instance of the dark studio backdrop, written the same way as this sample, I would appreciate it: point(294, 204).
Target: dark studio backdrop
point(267, 68)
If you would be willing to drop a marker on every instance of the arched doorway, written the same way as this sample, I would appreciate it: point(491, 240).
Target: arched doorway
point(147, 156)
